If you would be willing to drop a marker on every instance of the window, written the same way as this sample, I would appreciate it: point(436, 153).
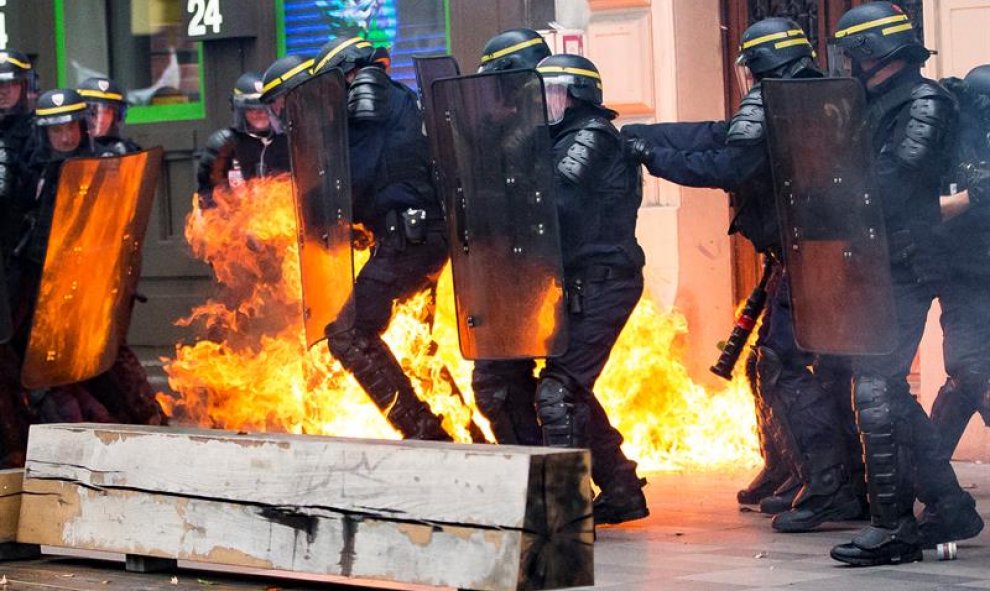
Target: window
point(405, 27)
point(141, 45)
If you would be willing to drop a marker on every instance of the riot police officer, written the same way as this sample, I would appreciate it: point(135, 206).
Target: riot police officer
point(17, 85)
point(913, 121)
point(598, 194)
point(61, 133)
point(253, 146)
point(392, 196)
point(513, 49)
point(107, 111)
point(504, 389)
point(964, 292)
point(799, 419)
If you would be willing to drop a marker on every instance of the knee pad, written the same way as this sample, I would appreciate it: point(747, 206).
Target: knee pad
point(563, 418)
point(768, 368)
point(491, 400)
point(352, 348)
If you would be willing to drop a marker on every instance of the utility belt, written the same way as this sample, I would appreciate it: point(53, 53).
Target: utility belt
point(410, 226)
point(592, 274)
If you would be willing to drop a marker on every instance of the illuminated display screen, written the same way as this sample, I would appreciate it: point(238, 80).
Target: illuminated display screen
point(406, 27)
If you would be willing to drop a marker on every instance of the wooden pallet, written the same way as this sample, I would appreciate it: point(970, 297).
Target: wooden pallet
point(10, 508)
point(477, 517)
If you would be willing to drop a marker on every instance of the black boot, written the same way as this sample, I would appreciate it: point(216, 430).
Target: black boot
point(887, 433)
point(875, 546)
point(825, 497)
point(379, 373)
point(950, 520)
point(621, 502)
point(782, 498)
point(775, 470)
point(953, 408)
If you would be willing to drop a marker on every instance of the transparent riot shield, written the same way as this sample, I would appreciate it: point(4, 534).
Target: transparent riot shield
point(91, 268)
point(6, 323)
point(831, 221)
point(321, 180)
point(504, 237)
point(429, 70)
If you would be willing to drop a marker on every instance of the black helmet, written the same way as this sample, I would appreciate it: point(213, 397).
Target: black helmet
point(283, 75)
point(772, 43)
point(578, 73)
point(569, 75)
point(978, 79)
point(878, 31)
point(347, 54)
point(102, 90)
point(16, 66)
point(247, 95)
point(59, 106)
point(247, 91)
point(513, 49)
point(103, 93)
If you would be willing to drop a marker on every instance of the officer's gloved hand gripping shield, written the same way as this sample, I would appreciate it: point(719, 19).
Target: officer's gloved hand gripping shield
point(92, 265)
point(498, 184)
point(831, 221)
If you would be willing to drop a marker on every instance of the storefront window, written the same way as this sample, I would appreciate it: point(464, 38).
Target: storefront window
point(142, 46)
point(405, 27)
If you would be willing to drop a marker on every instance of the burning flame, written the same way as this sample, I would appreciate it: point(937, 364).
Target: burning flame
point(251, 370)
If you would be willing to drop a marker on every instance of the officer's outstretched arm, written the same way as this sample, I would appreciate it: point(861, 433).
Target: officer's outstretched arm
point(695, 135)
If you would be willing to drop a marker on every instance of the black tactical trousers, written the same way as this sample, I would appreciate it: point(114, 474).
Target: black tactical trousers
point(396, 271)
point(900, 444)
point(965, 302)
point(803, 417)
point(504, 391)
point(593, 327)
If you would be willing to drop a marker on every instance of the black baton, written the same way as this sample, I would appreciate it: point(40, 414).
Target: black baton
point(744, 325)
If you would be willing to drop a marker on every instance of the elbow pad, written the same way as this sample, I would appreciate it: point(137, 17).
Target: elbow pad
point(746, 126)
point(215, 158)
point(590, 151)
point(931, 121)
point(367, 99)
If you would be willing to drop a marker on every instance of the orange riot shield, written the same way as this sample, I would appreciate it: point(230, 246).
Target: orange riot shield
point(91, 269)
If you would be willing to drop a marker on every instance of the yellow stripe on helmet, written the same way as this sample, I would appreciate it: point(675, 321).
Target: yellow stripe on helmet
point(563, 70)
point(871, 25)
point(16, 62)
point(284, 77)
point(109, 96)
point(792, 42)
point(511, 49)
point(59, 110)
point(356, 41)
point(897, 29)
point(772, 37)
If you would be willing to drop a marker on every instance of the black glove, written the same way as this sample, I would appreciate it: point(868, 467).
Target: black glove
point(976, 175)
point(637, 149)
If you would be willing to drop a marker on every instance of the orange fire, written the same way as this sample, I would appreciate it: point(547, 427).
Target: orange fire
point(251, 370)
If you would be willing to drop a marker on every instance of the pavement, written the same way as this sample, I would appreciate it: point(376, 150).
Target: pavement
point(696, 539)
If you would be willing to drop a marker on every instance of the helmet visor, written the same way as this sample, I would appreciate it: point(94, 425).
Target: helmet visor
point(557, 99)
point(102, 119)
point(840, 64)
point(744, 77)
point(278, 114)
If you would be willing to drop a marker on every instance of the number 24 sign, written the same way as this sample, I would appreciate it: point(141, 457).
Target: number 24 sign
point(220, 19)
